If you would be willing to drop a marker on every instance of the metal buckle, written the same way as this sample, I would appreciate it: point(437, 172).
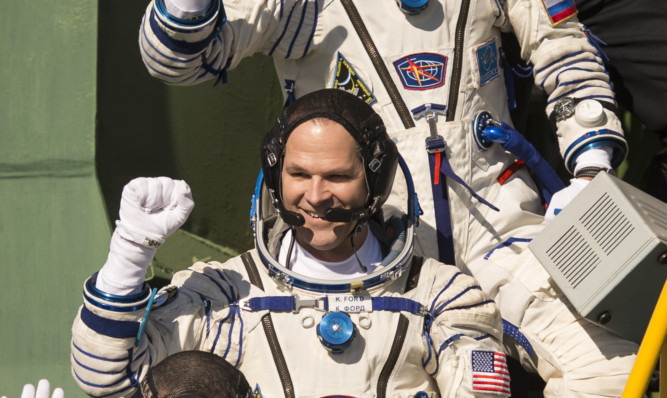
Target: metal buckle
point(315, 303)
point(244, 304)
point(430, 113)
point(435, 144)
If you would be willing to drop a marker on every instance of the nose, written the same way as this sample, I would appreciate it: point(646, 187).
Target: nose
point(317, 192)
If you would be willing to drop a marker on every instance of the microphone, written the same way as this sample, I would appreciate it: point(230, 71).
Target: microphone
point(291, 218)
point(333, 215)
point(346, 215)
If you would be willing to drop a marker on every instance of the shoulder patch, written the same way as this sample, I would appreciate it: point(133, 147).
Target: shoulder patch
point(490, 373)
point(487, 62)
point(559, 10)
point(422, 71)
point(165, 296)
point(347, 79)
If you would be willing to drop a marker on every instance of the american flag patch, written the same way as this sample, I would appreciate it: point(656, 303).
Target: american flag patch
point(489, 373)
point(560, 10)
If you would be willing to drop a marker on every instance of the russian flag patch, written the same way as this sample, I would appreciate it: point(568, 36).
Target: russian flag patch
point(490, 373)
point(559, 10)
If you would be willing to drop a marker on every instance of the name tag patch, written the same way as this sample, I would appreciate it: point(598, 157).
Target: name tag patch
point(350, 303)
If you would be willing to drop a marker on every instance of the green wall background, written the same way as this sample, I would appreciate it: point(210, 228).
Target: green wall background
point(79, 118)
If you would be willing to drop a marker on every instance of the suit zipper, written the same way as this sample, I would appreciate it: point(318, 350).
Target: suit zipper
point(458, 60)
point(378, 63)
point(399, 339)
point(278, 357)
point(270, 331)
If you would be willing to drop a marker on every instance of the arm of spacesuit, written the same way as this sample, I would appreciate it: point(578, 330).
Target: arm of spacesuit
point(581, 103)
point(105, 356)
point(465, 330)
point(185, 42)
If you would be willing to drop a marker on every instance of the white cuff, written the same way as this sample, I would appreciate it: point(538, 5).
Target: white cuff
point(595, 157)
point(125, 269)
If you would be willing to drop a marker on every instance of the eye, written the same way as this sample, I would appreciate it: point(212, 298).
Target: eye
point(298, 174)
point(339, 177)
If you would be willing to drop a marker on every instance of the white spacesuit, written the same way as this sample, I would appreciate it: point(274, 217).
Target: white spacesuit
point(407, 327)
point(429, 75)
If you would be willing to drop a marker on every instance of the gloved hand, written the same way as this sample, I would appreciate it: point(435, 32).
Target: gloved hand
point(561, 198)
point(151, 209)
point(43, 390)
point(595, 157)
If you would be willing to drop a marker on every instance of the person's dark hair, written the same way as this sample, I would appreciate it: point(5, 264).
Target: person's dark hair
point(194, 374)
point(378, 151)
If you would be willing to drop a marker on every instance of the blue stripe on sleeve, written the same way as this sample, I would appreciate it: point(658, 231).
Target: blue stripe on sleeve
point(163, 55)
point(558, 60)
point(571, 92)
point(575, 62)
point(312, 32)
point(182, 47)
point(282, 35)
point(109, 327)
point(298, 29)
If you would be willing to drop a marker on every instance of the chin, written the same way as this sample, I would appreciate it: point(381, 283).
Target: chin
point(324, 246)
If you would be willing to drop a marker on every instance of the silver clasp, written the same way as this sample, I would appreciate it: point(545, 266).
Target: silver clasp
point(430, 113)
point(317, 303)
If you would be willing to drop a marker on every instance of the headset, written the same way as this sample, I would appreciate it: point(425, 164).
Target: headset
point(263, 216)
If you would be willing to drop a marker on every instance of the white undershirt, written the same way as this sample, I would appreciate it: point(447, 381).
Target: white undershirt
point(306, 264)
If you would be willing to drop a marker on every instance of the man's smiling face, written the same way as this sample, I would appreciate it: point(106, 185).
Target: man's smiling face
point(323, 169)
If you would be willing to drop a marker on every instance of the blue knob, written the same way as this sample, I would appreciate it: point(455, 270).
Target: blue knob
point(412, 7)
point(336, 331)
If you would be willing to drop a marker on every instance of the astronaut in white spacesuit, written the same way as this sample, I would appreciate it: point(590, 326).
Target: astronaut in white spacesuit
point(330, 302)
point(432, 69)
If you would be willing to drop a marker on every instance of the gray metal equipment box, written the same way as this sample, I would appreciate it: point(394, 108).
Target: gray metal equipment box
point(607, 252)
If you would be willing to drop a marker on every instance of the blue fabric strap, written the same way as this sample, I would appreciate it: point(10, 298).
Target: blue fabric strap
point(436, 154)
point(272, 303)
point(289, 91)
point(506, 243)
point(446, 169)
point(109, 327)
point(288, 304)
point(513, 332)
point(509, 81)
point(396, 304)
point(443, 219)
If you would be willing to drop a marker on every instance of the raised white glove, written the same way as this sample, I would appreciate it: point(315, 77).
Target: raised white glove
point(43, 390)
point(561, 198)
point(151, 209)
